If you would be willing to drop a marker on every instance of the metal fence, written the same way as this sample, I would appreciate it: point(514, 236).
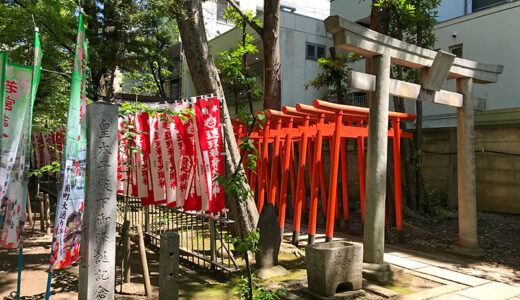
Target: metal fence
point(203, 237)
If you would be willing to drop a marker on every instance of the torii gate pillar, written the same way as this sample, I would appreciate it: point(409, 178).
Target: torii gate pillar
point(374, 226)
point(467, 196)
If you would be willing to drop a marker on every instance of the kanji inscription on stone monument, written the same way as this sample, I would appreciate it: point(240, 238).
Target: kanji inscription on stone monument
point(97, 269)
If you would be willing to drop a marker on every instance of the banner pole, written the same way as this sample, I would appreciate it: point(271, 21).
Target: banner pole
point(49, 280)
point(20, 255)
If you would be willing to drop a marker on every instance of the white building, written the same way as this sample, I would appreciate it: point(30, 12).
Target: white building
point(483, 31)
point(479, 30)
point(214, 10)
point(302, 40)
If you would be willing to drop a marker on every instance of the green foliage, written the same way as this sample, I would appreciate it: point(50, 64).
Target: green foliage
point(129, 35)
point(248, 243)
point(402, 7)
point(434, 207)
point(57, 33)
point(411, 21)
point(233, 182)
point(140, 83)
point(244, 245)
point(232, 15)
point(54, 167)
point(233, 70)
point(333, 75)
point(260, 293)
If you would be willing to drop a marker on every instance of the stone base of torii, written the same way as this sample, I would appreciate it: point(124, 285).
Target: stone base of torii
point(381, 51)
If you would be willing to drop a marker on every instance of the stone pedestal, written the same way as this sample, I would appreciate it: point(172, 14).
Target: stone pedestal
point(98, 245)
point(332, 264)
point(377, 272)
point(270, 237)
point(169, 266)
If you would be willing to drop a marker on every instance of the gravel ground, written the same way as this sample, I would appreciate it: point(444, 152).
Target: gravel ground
point(498, 235)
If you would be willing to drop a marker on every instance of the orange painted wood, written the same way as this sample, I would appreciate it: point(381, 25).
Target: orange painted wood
point(285, 174)
point(361, 166)
point(344, 178)
point(397, 176)
point(333, 182)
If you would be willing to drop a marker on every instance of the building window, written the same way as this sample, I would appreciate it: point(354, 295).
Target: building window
point(222, 6)
point(457, 50)
point(481, 4)
point(314, 51)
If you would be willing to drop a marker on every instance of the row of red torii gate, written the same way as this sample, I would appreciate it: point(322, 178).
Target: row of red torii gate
point(291, 143)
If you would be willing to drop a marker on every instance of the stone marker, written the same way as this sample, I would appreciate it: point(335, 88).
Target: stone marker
point(169, 266)
point(270, 237)
point(271, 272)
point(334, 263)
point(98, 244)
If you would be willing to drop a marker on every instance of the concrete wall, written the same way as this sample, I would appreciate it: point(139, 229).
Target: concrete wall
point(497, 175)
point(449, 9)
point(295, 32)
point(351, 10)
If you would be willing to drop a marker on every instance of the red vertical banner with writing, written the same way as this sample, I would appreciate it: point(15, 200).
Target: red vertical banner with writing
point(207, 114)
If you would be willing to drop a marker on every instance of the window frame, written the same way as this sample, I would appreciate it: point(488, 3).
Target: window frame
point(315, 46)
point(457, 46)
point(475, 9)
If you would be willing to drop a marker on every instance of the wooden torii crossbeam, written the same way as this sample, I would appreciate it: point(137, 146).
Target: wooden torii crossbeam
point(381, 51)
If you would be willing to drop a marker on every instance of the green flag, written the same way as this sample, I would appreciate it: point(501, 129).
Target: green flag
point(69, 214)
point(18, 92)
point(3, 71)
point(17, 179)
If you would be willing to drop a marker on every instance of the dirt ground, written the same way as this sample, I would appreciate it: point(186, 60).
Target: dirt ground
point(499, 237)
point(498, 234)
point(193, 285)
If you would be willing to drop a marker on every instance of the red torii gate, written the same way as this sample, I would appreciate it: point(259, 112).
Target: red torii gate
point(306, 124)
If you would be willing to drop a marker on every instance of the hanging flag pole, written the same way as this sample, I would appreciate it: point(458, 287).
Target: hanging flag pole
point(3, 70)
point(26, 148)
point(71, 195)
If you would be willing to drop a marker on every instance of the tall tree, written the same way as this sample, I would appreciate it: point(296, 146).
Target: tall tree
point(57, 33)
point(206, 81)
point(269, 33)
point(123, 34)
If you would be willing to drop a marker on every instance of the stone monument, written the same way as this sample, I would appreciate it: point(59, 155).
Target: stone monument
point(270, 237)
point(98, 245)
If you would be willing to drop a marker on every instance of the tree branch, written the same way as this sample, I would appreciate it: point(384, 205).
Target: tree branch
point(248, 20)
point(45, 25)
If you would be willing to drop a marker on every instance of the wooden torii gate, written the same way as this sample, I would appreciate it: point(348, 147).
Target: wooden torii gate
point(380, 51)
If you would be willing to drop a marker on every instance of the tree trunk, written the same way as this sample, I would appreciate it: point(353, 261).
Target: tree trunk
point(206, 81)
point(375, 18)
point(270, 39)
point(390, 188)
point(406, 154)
point(418, 129)
point(339, 87)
